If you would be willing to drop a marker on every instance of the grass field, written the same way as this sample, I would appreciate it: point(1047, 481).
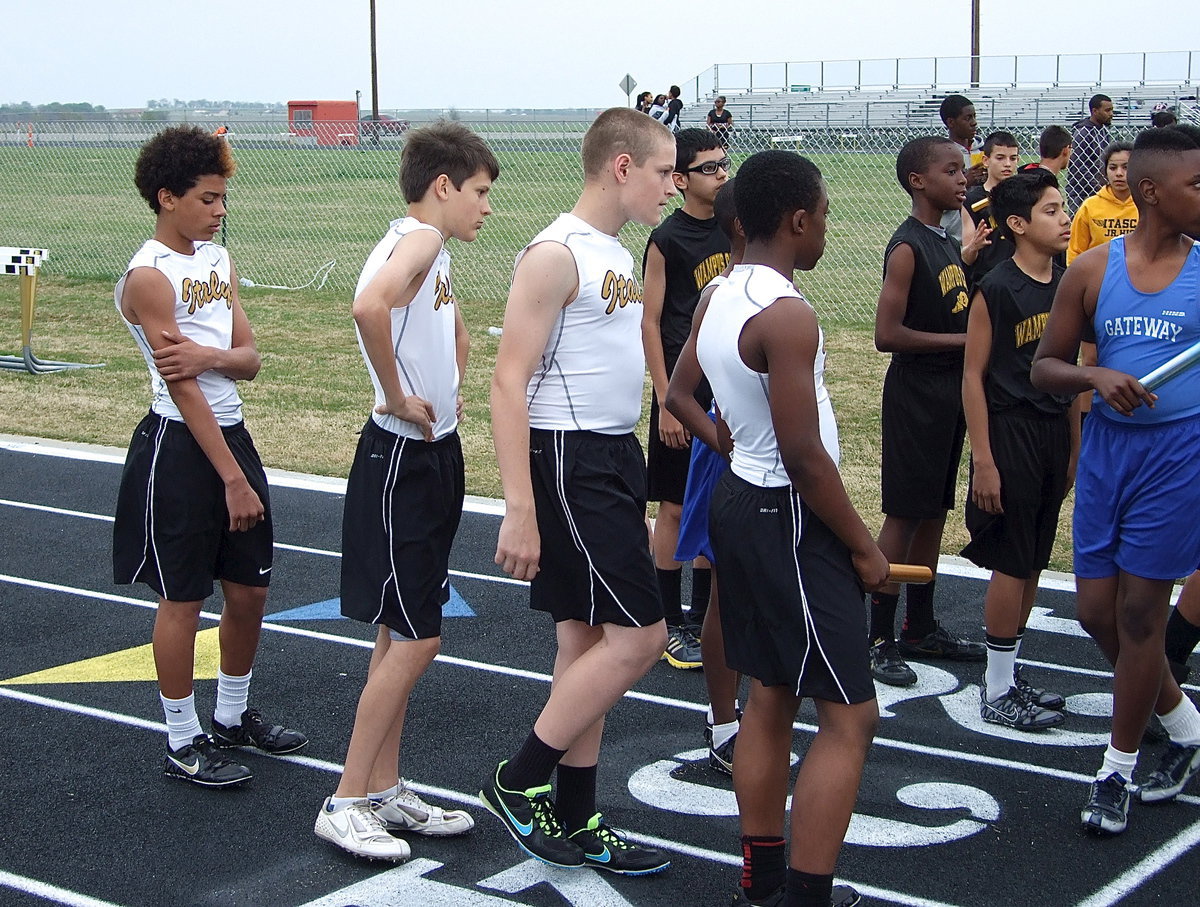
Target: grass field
point(293, 209)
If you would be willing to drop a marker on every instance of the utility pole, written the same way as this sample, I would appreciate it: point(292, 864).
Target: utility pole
point(974, 43)
point(375, 69)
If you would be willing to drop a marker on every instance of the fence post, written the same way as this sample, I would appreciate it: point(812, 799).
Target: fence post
point(752, 77)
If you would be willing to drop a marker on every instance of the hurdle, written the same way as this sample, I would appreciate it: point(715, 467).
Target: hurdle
point(24, 264)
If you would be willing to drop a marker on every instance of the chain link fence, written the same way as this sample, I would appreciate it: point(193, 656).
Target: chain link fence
point(303, 209)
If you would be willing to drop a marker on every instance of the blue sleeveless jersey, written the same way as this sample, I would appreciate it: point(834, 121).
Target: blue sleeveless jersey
point(1136, 332)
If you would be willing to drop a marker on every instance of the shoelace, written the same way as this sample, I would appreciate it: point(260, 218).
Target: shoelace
point(367, 819)
point(543, 814)
point(1109, 793)
point(411, 799)
point(610, 837)
point(211, 752)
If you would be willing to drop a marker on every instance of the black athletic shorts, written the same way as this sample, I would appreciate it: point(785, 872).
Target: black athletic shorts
point(590, 493)
point(791, 604)
point(404, 500)
point(667, 468)
point(172, 526)
point(1032, 453)
point(923, 431)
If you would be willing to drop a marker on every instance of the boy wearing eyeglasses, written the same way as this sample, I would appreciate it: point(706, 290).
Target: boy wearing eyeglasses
point(683, 254)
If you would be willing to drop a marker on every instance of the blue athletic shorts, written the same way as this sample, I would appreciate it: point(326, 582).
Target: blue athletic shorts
point(1137, 497)
point(705, 469)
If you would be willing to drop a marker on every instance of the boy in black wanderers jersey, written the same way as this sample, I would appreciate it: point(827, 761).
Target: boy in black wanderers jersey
point(683, 254)
point(985, 238)
point(1024, 442)
point(922, 320)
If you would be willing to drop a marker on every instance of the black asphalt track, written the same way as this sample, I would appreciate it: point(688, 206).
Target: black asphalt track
point(949, 812)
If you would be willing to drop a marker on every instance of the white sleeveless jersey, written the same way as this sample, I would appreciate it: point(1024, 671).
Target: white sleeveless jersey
point(591, 372)
point(741, 392)
point(422, 338)
point(204, 313)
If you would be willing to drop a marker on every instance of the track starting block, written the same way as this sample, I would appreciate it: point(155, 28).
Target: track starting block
point(24, 264)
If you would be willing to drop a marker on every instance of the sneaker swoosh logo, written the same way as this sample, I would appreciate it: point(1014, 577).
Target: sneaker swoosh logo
point(190, 769)
point(525, 829)
point(604, 856)
point(175, 711)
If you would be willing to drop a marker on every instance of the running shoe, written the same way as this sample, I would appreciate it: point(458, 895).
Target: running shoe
point(721, 757)
point(357, 830)
point(683, 648)
point(405, 811)
point(530, 818)
point(605, 848)
point(842, 896)
point(253, 730)
point(202, 763)
point(944, 645)
point(1107, 809)
point(1016, 711)
point(888, 667)
point(1044, 698)
point(1178, 766)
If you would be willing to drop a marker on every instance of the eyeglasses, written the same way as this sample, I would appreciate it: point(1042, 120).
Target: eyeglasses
point(708, 168)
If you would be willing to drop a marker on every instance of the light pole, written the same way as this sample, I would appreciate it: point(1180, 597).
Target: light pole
point(974, 43)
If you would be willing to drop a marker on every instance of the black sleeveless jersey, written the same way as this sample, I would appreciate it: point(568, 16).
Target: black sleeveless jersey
point(1018, 307)
point(979, 206)
point(937, 297)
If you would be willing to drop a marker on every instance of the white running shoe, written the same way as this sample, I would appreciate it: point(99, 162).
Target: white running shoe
point(355, 829)
point(405, 811)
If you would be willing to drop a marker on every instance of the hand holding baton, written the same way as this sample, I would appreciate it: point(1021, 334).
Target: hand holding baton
point(1172, 367)
point(909, 573)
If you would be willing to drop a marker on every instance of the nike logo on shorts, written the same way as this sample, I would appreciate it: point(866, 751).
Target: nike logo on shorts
point(263, 572)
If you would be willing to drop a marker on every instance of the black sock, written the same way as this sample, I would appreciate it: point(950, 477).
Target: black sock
point(669, 584)
point(531, 766)
point(764, 867)
point(701, 590)
point(883, 616)
point(1182, 636)
point(918, 615)
point(807, 889)
point(575, 796)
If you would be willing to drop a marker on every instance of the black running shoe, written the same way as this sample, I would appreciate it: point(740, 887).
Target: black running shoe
point(888, 667)
point(202, 763)
point(721, 757)
point(1039, 697)
point(1014, 710)
point(254, 731)
point(605, 848)
point(530, 818)
point(1178, 766)
point(1107, 809)
point(772, 900)
point(842, 896)
point(683, 648)
point(944, 645)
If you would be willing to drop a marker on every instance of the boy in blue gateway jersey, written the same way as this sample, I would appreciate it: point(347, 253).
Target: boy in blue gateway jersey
point(1138, 490)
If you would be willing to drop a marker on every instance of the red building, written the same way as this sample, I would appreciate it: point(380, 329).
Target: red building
point(331, 122)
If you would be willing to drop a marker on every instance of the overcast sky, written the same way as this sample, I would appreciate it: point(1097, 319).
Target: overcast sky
point(514, 53)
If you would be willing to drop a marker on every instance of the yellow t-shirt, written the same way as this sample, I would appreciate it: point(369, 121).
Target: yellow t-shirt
point(1100, 218)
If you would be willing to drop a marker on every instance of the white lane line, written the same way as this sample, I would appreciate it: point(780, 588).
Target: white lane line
point(1140, 873)
point(49, 892)
point(885, 742)
point(443, 793)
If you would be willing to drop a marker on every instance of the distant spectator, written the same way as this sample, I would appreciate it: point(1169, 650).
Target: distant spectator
point(643, 102)
point(720, 121)
point(958, 116)
point(1163, 115)
point(674, 107)
point(1089, 138)
point(658, 109)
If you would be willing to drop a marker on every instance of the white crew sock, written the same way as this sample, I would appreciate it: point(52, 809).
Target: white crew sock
point(1117, 761)
point(1182, 723)
point(722, 732)
point(232, 695)
point(183, 725)
point(1001, 663)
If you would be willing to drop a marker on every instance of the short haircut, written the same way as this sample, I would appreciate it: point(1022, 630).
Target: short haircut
point(673, 91)
point(999, 139)
point(620, 130)
point(690, 142)
point(952, 106)
point(725, 209)
point(176, 158)
point(1115, 148)
point(1154, 147)
point(442, 147)
point(1098, 99)
point(1192, 132)
point(1162, 118)
point(721, 98)
point(1020, 193)
point(916, 156)
point(772, 185)
point(1053, 141)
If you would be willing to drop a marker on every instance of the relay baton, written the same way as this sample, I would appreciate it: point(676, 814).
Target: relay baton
point(909, 573)
point(1171, 368)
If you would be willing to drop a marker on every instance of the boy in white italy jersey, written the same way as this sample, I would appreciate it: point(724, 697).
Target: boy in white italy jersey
point(791, 548)
point(404, 496)
point(566, 396)
point(193, 503)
